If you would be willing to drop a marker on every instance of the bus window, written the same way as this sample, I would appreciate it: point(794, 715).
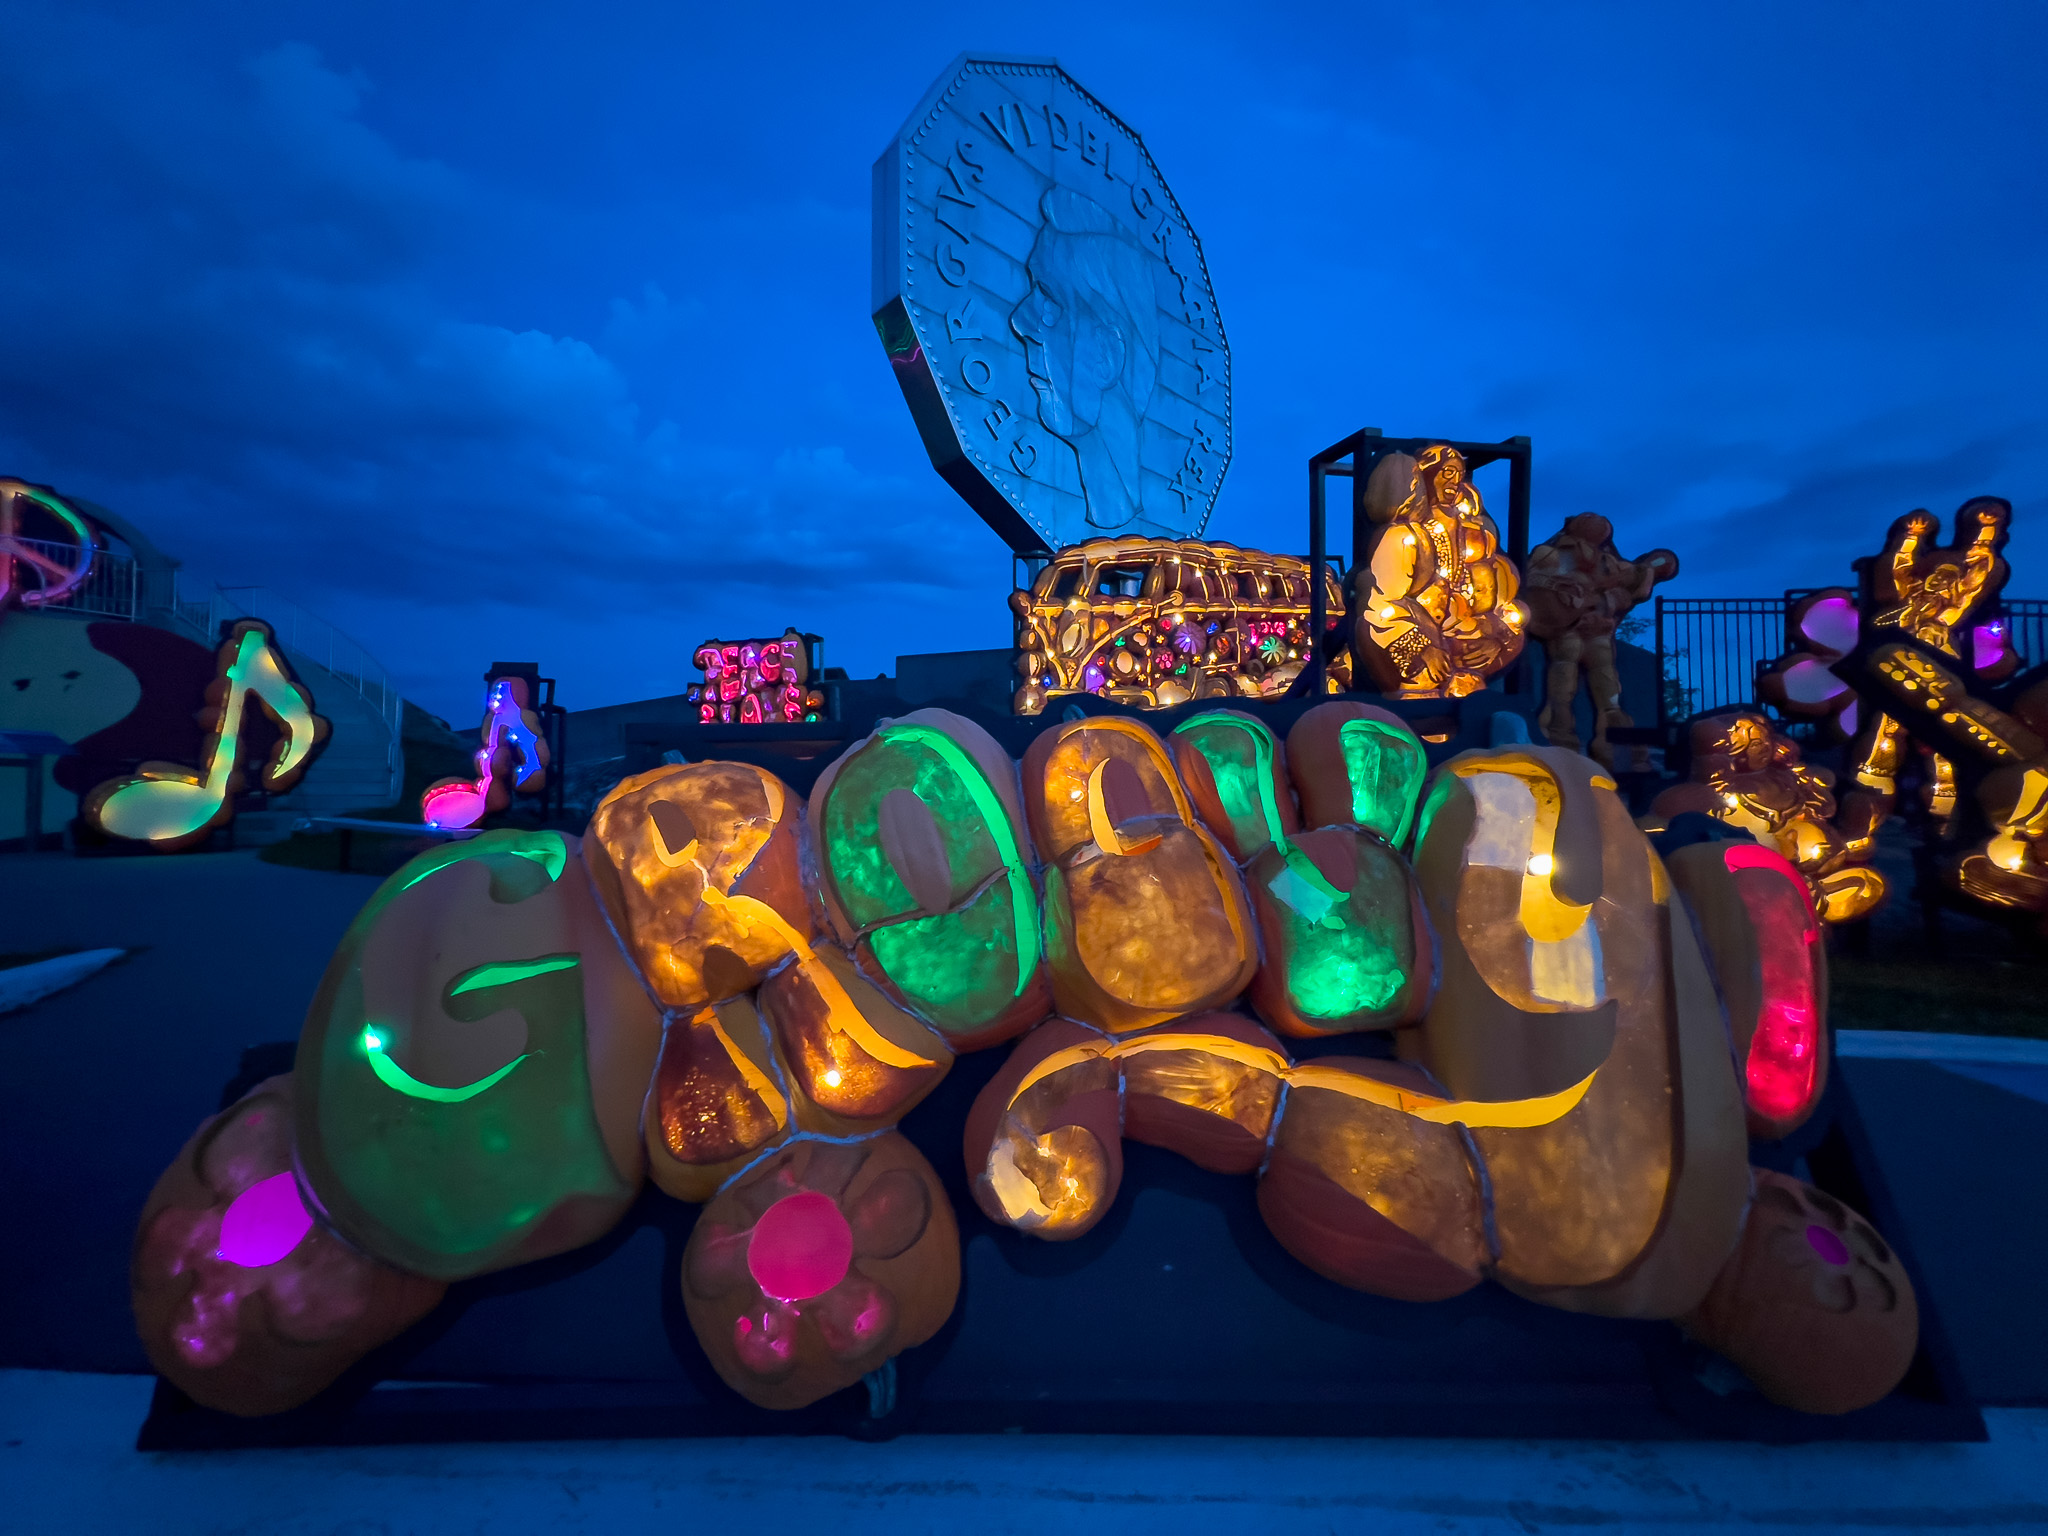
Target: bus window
point(1121, 580)
point(1065, 584)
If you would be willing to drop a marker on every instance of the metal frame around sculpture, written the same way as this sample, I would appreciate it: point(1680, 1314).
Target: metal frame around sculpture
point(1365, 448)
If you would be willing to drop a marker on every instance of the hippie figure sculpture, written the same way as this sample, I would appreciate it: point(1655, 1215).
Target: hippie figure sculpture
point(1435, 614)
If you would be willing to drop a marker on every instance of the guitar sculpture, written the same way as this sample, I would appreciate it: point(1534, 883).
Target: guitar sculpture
point(738, 995)
point(514, 756)
point(170, 806)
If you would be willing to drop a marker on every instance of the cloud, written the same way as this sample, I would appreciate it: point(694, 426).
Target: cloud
point(229, 326)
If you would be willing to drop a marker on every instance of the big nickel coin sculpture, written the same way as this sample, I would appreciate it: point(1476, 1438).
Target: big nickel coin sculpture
point(1048, 313)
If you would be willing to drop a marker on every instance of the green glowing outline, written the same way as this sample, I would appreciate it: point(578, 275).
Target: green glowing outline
point(1348, 734)
point(1022, 897)
point(395, 1076)
point(1262, 755)
point(544, 848)
point(503, 973)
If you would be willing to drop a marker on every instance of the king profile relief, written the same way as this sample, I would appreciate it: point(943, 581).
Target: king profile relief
point(1090, 328)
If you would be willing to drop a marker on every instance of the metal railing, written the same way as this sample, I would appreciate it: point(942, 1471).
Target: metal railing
point(1710, 649)
point(109, 588)
point(2026, 627)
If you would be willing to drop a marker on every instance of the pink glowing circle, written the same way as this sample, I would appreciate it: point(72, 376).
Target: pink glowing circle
point(1827, 1245)
point(801, 1248)
point(265, 1223)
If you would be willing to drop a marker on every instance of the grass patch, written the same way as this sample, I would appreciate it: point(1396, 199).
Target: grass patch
point(1976, 996)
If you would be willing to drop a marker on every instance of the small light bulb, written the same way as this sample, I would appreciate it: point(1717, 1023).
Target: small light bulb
point(372, 1040)
point(1408, 538)
point(1389, 612)
point(832, 1078)
point(1541, 864)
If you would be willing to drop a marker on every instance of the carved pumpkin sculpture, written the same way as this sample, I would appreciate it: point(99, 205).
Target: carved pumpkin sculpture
point(240, 1296)
point(1749, 775)
point(740, 1000)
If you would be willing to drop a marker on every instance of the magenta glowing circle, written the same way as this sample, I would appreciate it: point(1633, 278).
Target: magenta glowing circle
point(265, 1222)
point(1830, 1247)
point(801, 1248)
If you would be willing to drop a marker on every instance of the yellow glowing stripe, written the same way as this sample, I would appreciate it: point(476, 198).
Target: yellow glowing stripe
point(841, 1016)
point(753, 1076)
point(1102, 829)
point(1161, 763)
point(1545, 916)
point(1477, 1113)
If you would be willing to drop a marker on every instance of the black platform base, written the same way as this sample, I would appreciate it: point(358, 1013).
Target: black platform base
point(1179, 1314)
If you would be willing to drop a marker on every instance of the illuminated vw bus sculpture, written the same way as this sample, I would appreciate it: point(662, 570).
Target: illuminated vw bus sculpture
point(1156, 622)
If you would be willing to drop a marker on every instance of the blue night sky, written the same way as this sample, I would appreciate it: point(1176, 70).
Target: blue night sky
point(541, 332)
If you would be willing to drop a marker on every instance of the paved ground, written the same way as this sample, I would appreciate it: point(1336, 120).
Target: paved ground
point(66, 1465)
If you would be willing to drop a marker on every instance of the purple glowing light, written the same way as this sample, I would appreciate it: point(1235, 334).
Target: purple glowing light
point(1831, 624)
point(1830, 1247)
point(1988, 648)
point(1093, 677)
point(265, 1222)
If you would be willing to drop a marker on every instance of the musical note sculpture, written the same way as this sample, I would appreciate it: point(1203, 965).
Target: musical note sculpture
point(170, 806)
point(514, 756)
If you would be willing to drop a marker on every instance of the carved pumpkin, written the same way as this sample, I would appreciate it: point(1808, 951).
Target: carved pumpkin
point(1145, 918)
point(471, 1072)
point(697, 866)
point(1567, 971)
point(242, 1299)
point(1763, 942)
point(718, 1098)
point(1813, 1306)
point(925, 873)
point(819, 1265)
point(1341, 928)
point(1356, 765)
point(1371, 1196)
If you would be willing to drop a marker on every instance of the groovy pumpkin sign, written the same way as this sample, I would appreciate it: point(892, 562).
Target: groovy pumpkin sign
point(738, 994)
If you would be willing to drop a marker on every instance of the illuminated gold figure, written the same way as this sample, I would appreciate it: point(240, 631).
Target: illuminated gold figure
point(2010, 868)
point(1436, 612)
point(1746, 774)
point(1930, 591)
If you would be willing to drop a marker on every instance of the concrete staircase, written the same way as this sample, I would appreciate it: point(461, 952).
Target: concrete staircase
point(363, 762)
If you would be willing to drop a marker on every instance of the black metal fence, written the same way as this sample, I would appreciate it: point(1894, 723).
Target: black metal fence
point(1710, 649)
